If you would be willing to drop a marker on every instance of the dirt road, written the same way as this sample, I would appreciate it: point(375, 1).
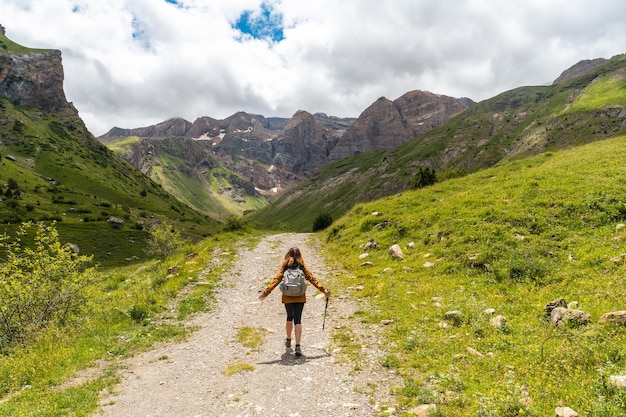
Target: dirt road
point(188, 379)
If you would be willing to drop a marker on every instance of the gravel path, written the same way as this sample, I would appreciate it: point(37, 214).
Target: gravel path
point(187, 378)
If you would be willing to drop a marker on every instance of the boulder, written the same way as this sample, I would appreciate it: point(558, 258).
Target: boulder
point(371, 244)
point(618, 380)
point(565, 412)
point(565, 316)
point(614, 317)
point(500, 322)
point(396, 252)
point(559, 302)
point(455, 317)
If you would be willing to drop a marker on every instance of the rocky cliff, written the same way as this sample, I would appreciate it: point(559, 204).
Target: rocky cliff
point(387, 124)
point(32, 77)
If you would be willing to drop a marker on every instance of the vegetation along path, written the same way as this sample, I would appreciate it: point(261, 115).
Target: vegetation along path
point(236, 363)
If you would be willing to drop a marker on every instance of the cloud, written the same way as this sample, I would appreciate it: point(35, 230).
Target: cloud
point(132, 63)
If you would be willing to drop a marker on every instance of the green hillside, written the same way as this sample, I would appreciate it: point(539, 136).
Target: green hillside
point(186, 170)
point(53, 169)
point(517, 123)
point(510, 238)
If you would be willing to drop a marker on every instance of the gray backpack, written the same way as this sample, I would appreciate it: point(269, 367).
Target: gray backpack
point(294, 282)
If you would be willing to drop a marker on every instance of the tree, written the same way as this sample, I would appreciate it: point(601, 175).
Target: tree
point(39, 283)
point(164, 240)
point(322, 222)
point(425, 176)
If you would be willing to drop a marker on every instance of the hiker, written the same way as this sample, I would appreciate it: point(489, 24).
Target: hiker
point(293, 304)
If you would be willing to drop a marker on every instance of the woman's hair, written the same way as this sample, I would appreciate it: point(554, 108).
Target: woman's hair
point(292, 256)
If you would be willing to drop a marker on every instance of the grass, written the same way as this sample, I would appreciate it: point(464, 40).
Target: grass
point(251, 337)
point(9, 46)
point(62, 173)
point(606, 91)
point(511, 238)
point(123, 316)
point(236, 368)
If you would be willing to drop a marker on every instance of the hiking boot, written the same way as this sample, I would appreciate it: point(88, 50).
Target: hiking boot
point(298, 350)
point(287, 342)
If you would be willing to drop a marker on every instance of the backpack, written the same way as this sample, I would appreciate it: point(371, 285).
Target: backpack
point(294, 282)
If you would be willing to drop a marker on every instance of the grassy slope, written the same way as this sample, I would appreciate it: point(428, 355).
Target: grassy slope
point(192, 176)
point(512, 125)
point(512, 238)
point(89, 184)
point(9, 46)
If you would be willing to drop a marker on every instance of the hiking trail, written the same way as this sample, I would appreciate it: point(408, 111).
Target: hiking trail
point(186, 379)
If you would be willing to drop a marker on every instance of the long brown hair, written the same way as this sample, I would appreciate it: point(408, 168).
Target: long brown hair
point(292, 256)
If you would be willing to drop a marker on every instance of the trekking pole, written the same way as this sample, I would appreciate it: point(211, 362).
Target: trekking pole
point(325, 310)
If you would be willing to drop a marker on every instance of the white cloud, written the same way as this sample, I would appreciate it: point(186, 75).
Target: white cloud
point(132, 63)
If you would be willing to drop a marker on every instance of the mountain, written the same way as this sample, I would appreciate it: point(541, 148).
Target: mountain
point(53, 169)
point(517, 123)
point(269, 156)
point(581, 68)
point(388, 124)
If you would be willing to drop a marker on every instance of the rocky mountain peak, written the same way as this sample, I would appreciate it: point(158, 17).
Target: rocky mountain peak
point(32, 77)
point(578, 69)
point(386, 124)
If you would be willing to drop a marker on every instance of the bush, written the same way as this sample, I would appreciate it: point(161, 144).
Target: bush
point(423, 178)
point(39, 284)
point(164, 240)
point(234, 224)
point(322, 222)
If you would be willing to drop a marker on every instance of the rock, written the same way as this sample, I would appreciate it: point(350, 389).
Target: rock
point(410, 245)
point(371, 244)
point(396, 252)
point(422, 410)
point(73, 247)
point(475, 352)
point(429, 264)
point(561, 315)
point(34, 79)
point(614, 317)
point(115, 222)
point(366, 264)
point(387, 124)
point(565, 412)
point(455, 317)
point(618, 380)
point(500, 322)
point(578, 69)
point(489, 311)
point(559, 302)
point(364, 255)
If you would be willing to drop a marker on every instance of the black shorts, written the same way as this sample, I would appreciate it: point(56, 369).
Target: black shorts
point(294, 312)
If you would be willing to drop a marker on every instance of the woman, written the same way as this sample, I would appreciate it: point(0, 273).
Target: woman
point(293, 305)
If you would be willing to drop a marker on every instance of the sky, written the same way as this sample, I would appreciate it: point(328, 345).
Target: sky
point(134, 63)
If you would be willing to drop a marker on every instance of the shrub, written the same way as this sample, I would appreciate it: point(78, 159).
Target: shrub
point(322, 222)
point(164, 240)
point(234, 224)
point(424, 177)
point(39, 284)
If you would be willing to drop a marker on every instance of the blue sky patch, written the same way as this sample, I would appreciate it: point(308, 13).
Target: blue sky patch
point(261, 24)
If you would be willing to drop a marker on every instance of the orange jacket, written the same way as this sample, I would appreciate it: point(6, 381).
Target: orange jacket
point(286, 299)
